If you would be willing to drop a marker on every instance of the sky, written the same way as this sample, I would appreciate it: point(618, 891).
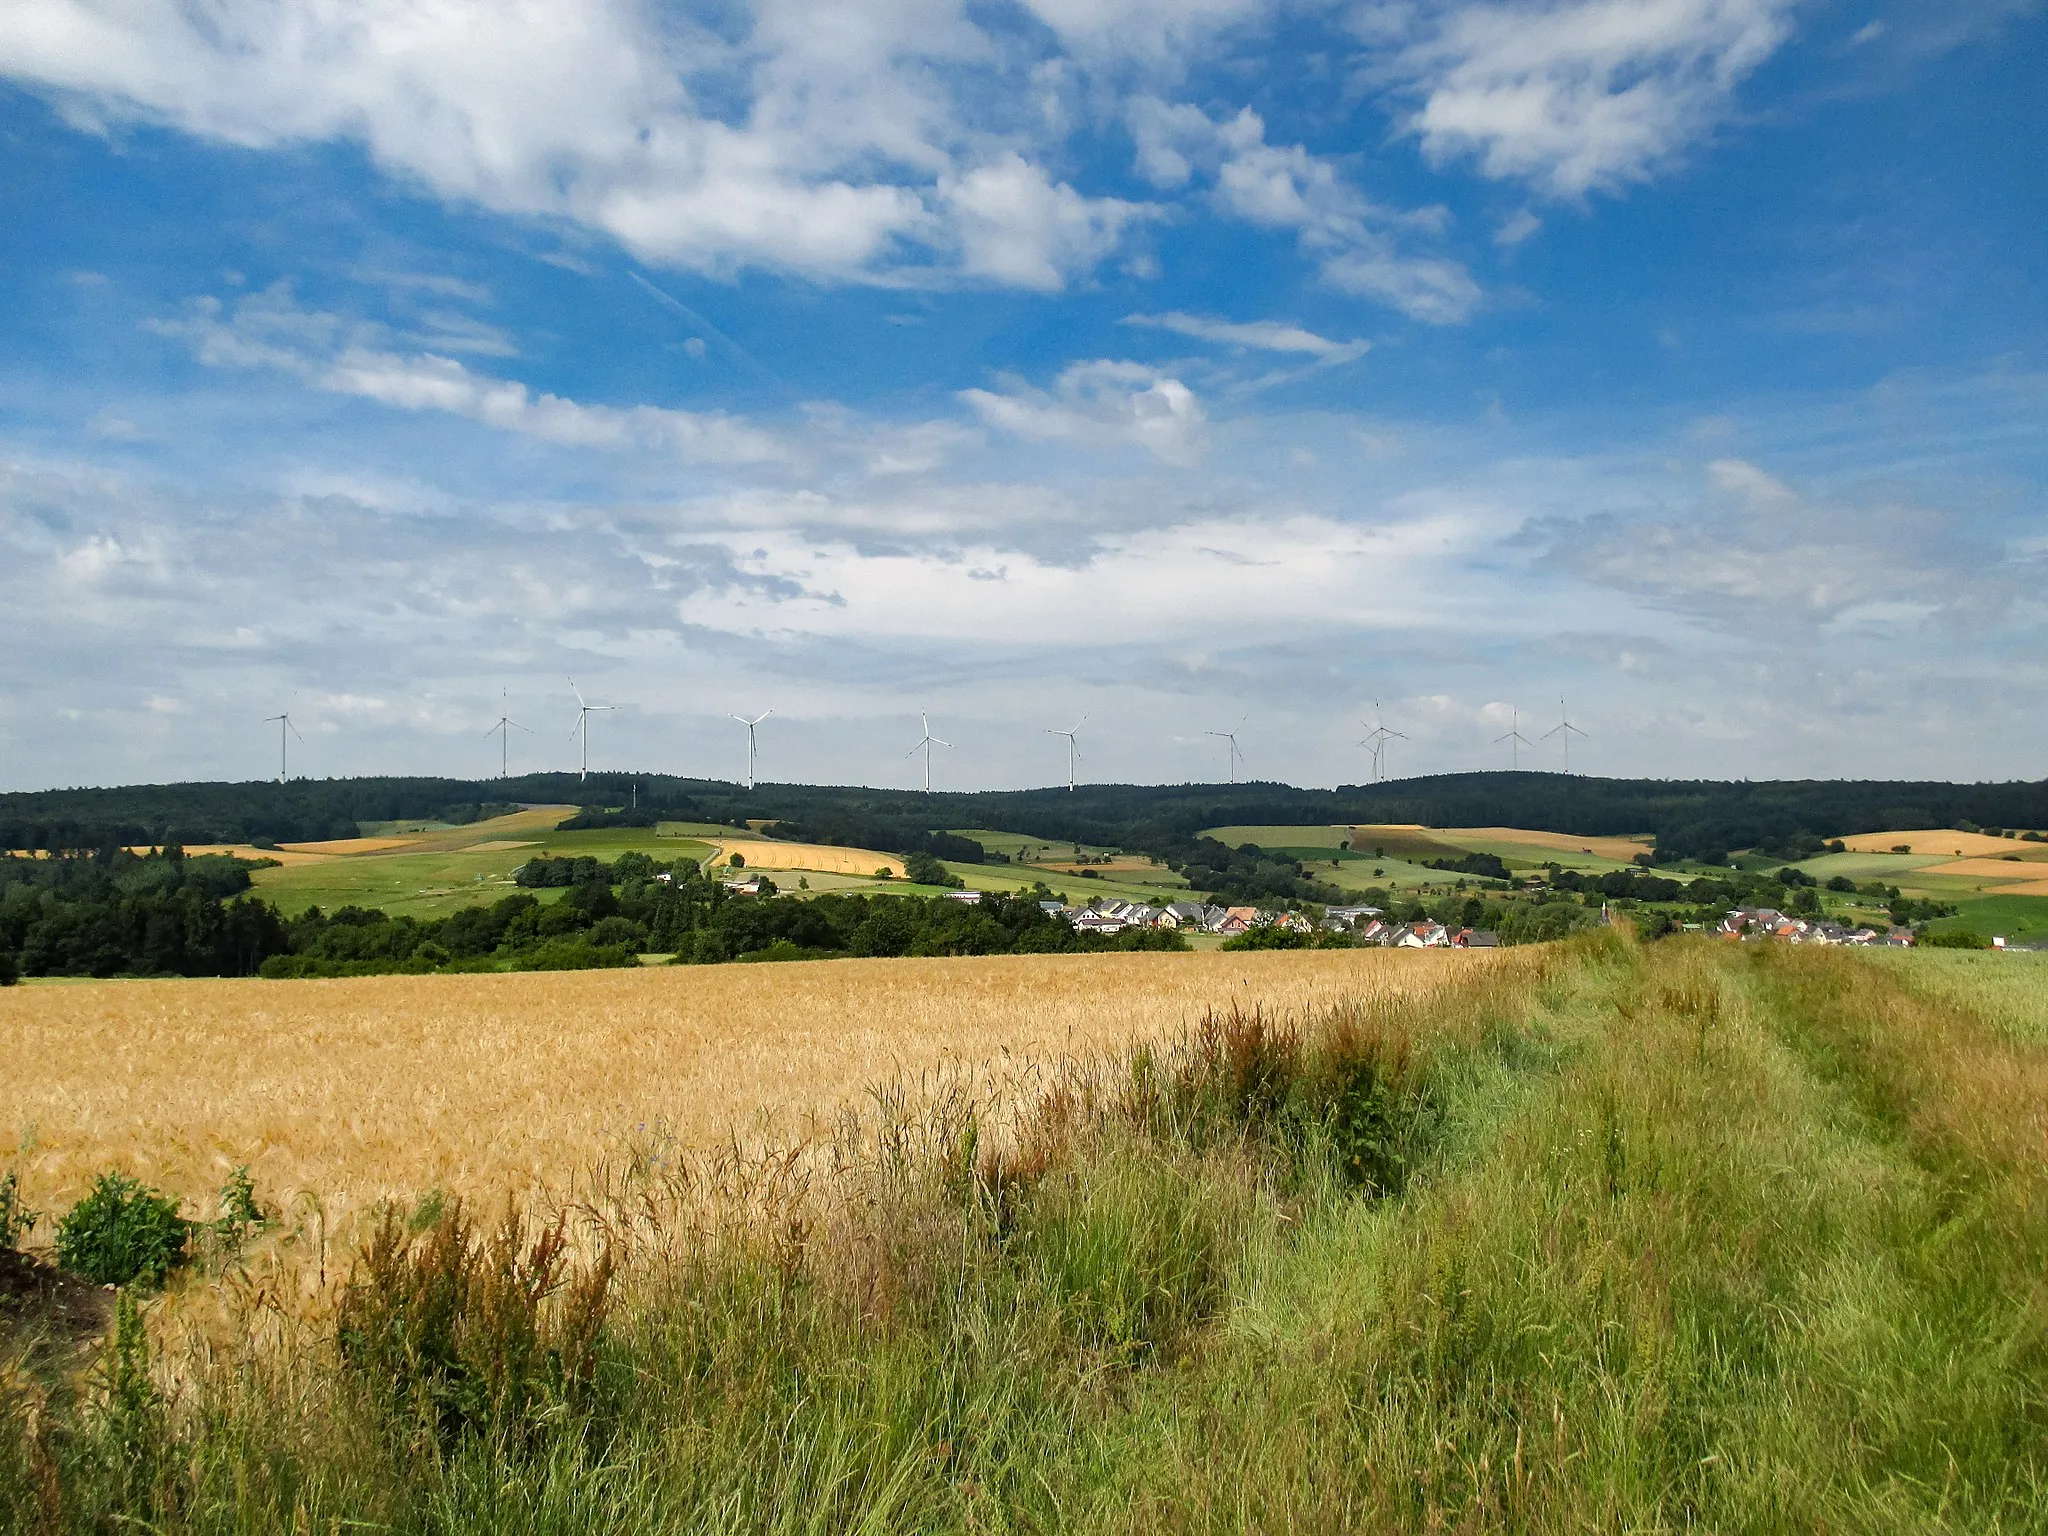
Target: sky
point(1170, 366)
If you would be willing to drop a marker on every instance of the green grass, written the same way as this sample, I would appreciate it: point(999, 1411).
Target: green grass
point(436, 883)
point(1598, 1238)
point(2008, 990)
point(2022, 919)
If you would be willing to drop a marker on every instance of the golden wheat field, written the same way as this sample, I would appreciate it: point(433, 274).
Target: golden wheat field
point(349, 1091)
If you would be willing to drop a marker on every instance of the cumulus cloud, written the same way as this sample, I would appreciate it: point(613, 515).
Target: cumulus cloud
point(1017, 226)
point(1103, 404)
point(836, 140)
point(1577, 96)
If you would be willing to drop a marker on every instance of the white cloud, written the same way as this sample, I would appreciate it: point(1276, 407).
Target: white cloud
point(1104, 404)
point(1583, 95)
point(270, 330)
point(1360, 246)
point(838, 140)
point(1261, 577)
point(1265, 335)
point(1017, 226)
point(1517, 229)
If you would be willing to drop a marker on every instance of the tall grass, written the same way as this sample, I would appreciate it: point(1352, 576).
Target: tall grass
point(1612, 1239)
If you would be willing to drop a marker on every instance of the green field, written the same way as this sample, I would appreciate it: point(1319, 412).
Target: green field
point(449, 871)
point(1588, 1237)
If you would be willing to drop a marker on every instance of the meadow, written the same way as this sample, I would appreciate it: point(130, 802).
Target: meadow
point(1585, 1236)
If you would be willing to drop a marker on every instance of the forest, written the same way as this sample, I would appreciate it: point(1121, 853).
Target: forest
point(1691, 819)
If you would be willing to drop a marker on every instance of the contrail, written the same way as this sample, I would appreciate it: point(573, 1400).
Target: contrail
point(691, 315)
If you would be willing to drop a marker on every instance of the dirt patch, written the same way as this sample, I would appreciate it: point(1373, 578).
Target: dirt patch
point(39, 1296)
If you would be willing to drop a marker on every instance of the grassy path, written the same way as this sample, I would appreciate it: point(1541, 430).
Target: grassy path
point(1684, 1237)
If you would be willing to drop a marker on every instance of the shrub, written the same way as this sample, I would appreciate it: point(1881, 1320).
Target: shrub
point(123, 1231)
point(1961, 939)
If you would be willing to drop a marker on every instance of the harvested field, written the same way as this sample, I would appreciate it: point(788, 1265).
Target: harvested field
point(284, 856)
point(351, 1090)
point(824, 857)
point(1956, 845)
point(1991, 868)
point(343, 846)
point(1622, 849)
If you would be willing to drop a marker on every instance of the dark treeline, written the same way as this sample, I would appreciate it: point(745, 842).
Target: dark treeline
point(115, 913)
point(1690, 818)
point(610, 913)
point(164, 914)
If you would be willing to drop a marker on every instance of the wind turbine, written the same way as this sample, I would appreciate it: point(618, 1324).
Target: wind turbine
point(505, 727)
point(925, 746)
point(283, 723)
point(1515, 737)
point(1073, 748)
point(1377, 739)
point(750, 724)
point(1567, 730)
point(582, 728)
point(1233, 756)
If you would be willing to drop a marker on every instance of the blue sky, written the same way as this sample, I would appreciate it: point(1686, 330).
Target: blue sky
point(1168, 364)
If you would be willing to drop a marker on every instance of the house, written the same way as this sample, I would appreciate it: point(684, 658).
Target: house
point(747, 887)
point(1475, 938)
point(1422, 935)
point(1184, 914)
point(1053, 908)
point(1349, 917)
point(1089, 921)
point(1139, 915)
point(1294, 921)
point(1899, 938)
point(1235, 921)
point(969, 898)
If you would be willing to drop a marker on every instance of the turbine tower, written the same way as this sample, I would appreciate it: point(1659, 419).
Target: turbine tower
point(1232, 757)
point(750, 724)
point(582, 728)
point(283, 723)
point(1515, 738)
point(925, 746)
point(504, 728)
point(1073, 749)
point(1376, 739)
point(1567, 730)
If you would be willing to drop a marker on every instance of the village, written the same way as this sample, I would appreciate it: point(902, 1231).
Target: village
point(1366, 926)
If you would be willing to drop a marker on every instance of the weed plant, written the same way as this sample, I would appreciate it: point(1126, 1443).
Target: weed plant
point(1685, 1236)
point(123, 1232)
